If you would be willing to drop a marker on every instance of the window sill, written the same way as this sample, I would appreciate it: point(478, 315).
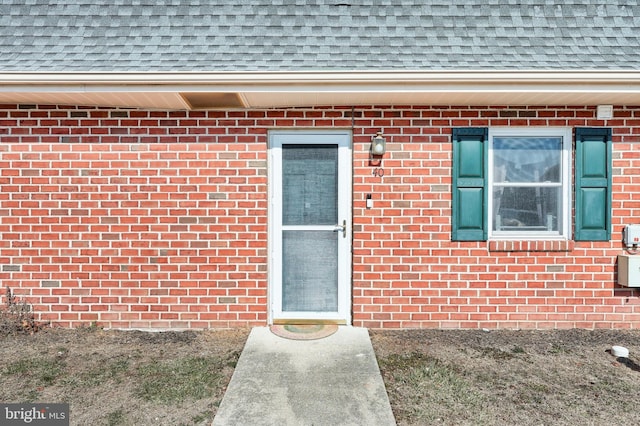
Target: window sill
point(531, 246)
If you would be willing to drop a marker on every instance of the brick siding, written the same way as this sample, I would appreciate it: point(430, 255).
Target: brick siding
point(158, 219)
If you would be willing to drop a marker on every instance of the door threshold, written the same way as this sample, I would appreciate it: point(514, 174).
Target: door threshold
point(309, 322)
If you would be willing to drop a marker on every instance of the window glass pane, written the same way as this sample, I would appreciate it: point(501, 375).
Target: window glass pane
point(521, 209)
point(309, 184)
point(527, 159)
point(309, 271)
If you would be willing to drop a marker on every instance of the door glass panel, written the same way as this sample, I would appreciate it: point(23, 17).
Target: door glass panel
point(310, 271)
point(309, 185)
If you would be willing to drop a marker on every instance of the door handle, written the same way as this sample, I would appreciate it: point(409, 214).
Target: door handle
point(342, 228)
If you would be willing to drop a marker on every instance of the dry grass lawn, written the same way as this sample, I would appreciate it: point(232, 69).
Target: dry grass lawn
point(122, 377)
point(510, 377)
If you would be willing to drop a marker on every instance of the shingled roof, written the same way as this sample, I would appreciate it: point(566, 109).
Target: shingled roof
point(202, 54)
point(318, 35)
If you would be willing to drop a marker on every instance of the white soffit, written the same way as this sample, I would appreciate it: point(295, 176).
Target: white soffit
point(273, 90)
point(153, 100)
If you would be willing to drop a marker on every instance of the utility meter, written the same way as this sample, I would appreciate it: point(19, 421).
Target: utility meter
point(631, 235)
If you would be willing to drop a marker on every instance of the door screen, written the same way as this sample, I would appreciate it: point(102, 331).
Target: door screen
point(309, 203)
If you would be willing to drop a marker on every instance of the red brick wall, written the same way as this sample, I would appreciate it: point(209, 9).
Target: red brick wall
point(158, 219)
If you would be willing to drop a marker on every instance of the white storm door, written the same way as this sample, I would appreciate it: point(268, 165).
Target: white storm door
point(310, 226)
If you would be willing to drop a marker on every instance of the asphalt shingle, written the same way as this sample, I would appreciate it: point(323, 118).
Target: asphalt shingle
point(321, 35)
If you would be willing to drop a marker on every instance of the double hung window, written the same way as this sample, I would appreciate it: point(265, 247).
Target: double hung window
point(529, 182)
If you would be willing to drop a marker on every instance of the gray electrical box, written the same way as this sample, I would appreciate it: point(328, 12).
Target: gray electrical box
point(629, 270)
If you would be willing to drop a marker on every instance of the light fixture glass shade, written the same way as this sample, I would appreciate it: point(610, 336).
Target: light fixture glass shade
point(378, 145)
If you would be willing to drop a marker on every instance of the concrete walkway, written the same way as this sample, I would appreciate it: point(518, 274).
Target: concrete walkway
point(331, 381)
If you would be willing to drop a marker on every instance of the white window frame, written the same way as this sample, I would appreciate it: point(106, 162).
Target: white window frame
point(565, 222)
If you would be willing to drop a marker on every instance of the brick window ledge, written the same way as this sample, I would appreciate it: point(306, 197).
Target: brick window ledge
point(531, 246)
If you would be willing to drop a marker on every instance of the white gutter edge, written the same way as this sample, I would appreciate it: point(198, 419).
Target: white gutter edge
point(335, 78)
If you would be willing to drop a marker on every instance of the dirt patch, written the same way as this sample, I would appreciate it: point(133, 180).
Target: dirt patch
point(122, 377)
point(466, 377)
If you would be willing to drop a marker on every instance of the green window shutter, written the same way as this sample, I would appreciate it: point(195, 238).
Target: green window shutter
point(469, 204)
point(593, 184)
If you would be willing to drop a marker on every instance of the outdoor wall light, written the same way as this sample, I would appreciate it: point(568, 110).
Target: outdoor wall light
point(378, 145)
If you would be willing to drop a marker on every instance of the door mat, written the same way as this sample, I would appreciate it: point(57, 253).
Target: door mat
point(303, 331)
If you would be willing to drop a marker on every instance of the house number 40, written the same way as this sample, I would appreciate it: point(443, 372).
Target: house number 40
point(378, 172)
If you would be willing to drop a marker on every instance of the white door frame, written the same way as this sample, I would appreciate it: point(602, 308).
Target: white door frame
point(341, 138)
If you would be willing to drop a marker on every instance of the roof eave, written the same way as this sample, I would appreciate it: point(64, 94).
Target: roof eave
point(338, 77)
point(282, 89)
